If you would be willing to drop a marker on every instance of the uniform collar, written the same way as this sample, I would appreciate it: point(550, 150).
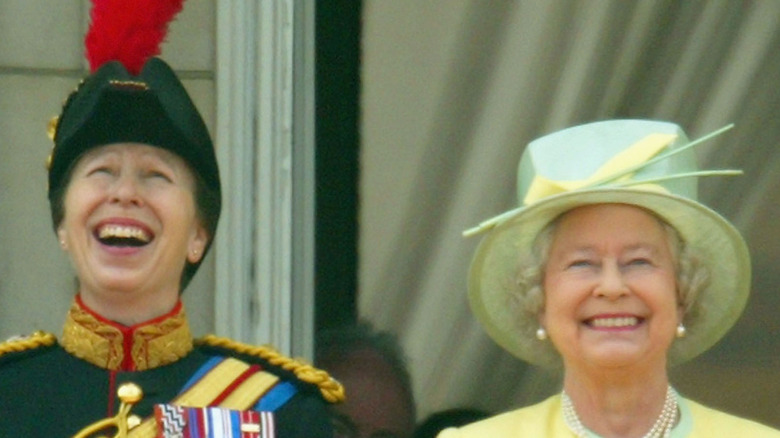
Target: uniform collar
point(113, 346)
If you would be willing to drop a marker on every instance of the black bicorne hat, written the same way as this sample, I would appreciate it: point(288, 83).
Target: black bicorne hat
point(113, 106)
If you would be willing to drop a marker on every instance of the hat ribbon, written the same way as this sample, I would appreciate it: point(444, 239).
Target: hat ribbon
point(616, 172)
point(638, 153)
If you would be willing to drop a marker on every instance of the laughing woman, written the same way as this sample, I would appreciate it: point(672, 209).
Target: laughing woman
point(611, 271)
point(135, 197)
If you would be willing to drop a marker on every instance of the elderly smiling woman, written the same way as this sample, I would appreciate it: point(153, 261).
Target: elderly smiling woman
point(611, 271)
point(134, 191)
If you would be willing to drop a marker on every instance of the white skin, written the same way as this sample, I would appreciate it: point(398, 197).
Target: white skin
point(139, 190)
point(611, 310)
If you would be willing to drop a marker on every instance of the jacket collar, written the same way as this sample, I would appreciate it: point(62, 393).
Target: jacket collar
point(113, 346)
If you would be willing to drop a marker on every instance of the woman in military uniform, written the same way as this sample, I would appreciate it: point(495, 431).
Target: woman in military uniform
point(134, 192)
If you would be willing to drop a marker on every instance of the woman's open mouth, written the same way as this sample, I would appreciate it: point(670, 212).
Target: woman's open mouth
point(122, 235)
point(614, 322)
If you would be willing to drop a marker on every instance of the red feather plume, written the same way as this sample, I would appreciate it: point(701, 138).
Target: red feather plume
point(128, 31)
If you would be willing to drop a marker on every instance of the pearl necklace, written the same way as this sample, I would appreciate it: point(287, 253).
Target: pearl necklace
point(661, 429)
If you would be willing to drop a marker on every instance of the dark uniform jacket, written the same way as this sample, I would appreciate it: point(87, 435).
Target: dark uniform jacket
point(55, 389)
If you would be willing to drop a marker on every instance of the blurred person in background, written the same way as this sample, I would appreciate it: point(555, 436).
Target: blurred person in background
point(371, 366)
point(454, 417)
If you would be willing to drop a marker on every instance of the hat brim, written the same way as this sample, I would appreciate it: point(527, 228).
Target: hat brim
point(719, 246)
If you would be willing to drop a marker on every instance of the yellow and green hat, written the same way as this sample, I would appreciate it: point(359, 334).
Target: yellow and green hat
point(645, 163)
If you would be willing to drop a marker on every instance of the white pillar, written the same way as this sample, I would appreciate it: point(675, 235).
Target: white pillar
point(265, 146)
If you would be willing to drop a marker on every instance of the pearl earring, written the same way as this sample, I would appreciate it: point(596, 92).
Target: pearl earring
point(541, 334)
point(681, 331)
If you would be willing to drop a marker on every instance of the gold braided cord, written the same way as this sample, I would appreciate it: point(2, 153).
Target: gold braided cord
point(331, 389)
point(37, 339)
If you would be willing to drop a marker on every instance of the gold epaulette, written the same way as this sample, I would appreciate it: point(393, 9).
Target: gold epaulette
point(35, 340)
point(331, 390)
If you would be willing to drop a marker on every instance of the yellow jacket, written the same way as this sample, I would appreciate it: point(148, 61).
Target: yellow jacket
point(545, 420)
